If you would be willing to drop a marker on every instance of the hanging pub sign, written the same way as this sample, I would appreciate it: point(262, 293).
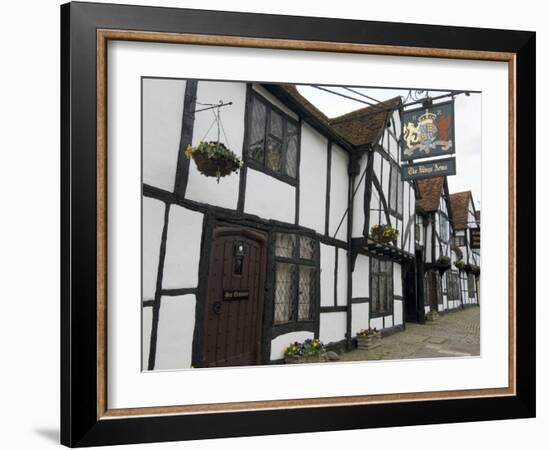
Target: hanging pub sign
point(428, 131)
point(429, 169)
point(475, 239)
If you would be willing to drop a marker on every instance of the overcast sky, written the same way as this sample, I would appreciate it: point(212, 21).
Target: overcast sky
point(467, 128)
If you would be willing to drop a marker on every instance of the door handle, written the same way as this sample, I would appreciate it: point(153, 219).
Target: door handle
point(217, 307)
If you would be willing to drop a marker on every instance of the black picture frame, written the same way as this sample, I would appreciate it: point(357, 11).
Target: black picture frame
point(80, 425)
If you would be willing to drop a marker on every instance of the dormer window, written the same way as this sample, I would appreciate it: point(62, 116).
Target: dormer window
point(272, 140)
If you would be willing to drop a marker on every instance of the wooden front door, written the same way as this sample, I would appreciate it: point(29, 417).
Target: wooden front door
point(433, 289)
point(235, 297)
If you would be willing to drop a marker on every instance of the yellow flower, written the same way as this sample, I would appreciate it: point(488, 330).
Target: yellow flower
point(188, 151)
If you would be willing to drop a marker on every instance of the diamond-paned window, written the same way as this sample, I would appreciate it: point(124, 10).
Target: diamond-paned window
point(272, 140)
point(296, 278)
point(381, 286)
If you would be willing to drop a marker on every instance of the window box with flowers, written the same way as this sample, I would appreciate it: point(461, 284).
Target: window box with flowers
point(383, 233)
point(368, 339)
point(309, 351)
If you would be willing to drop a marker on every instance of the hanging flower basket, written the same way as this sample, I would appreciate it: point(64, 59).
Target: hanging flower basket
point(468, 267)
point(476, 270)
point(213, 159)
point(383, 233)
point(458, 252)
point(460, 265)
point(443, 263)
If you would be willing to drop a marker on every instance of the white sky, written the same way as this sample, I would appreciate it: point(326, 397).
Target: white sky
point(467, 128)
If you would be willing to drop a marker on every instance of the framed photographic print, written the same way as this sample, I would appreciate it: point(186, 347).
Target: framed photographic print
point(277, 224)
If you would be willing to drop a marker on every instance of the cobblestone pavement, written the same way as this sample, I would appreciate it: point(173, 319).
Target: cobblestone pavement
point(455, 333)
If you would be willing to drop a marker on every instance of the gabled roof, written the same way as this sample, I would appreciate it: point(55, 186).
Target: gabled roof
point(459, 207)
point(361, 127)
point(366, 125)
point(429, 189)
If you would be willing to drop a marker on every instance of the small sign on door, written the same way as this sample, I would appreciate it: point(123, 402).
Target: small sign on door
point(235, 294)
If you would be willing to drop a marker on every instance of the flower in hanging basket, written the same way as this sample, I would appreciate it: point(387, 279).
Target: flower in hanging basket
point(458, 252)
point(213, 159)
point(383, 233)
point(460, 264)
point(476, 270)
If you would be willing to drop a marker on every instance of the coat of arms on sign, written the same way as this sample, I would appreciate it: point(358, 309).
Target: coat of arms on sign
point(429, 134)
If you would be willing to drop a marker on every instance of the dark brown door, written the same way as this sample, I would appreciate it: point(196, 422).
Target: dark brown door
point(433, 289)
point(235, 296)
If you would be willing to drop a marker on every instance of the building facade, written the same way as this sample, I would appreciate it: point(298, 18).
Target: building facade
point(282, 251)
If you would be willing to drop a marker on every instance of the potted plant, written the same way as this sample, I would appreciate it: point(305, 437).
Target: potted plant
point(460, 265)
point(368, 339)
point(383, 233)
point(309, 351)
point(476, 270)
point(213, 159)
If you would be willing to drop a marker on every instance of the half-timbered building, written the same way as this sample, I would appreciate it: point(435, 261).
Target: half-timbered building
point(435, 231)
point(466, 223)
point(232, 272)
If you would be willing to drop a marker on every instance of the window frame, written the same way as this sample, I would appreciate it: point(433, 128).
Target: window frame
point(395, 168)
point(390, 296)
point(471, 285)
point(462, 244)
point(456, 289)
point(286, 118)
point(297, 261)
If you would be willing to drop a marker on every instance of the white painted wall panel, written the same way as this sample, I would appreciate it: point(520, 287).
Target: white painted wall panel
point(279, 344)
point(207, 189)
point(269, 197)
point(358, 200)
point(388, 321)
point(377, 323)
point(339, 193)
point(397, 280)
point(146, 325)
point(398, 312)
point(394, 147)
point(359, 317)
point(162, 116)
point(376, 162)
point(397, 121)
point(386, 179)
point(332, 327)
point(313, 180)
point(175, 332)
point(342, 286)
point(183, 244)
point(327, 274)
point(152, 223)
point(360, 277)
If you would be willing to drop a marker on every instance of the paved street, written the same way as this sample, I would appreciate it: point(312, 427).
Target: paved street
point(453, 334)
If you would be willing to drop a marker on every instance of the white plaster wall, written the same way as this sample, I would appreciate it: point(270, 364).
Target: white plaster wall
point(152, 223)
point(359, 317)
point(342, 287)
point(264, 93)
point(429, 242)
point(360, 277)
point(207, 189)
point(327, 261)
point(332, 327)
point(385, 182)
point(426, 309)
point(377, 323)
point(183, 244)
point(146, 324)
point(162, 115)
point(397, 280)
point(388, 321)
point(397, 121)
point(269, 197)
point(376, 162)
point(339, 193)
point(313, 180)
point(394, 148)
point(398, 312)
point(359, 216)
point(175, 332)
point(279, 344)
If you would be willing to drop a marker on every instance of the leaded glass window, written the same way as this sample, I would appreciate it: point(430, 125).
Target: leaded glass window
point(296, 278)
point(453, 286)
point(272, 140)
point(396, 190)
point(381, 286)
